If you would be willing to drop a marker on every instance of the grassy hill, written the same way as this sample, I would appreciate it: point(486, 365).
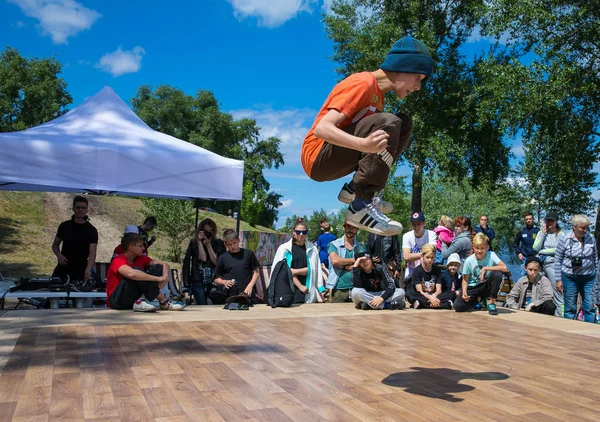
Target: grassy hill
point(28, 223)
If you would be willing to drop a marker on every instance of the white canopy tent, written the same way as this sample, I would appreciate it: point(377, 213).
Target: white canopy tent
point(102, 146)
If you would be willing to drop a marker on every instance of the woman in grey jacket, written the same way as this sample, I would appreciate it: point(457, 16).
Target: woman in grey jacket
point(461, 244)
point(545, 247)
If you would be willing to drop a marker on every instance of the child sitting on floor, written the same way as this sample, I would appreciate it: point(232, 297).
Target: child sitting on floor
point(532, 292)
point(425, 289)
point(482, 277)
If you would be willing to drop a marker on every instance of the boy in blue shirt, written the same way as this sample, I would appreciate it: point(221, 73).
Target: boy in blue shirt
point(482, 277)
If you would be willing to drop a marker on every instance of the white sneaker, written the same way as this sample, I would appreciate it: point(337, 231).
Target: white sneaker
point(143, 305)
point(172, 305)
point(373, 221)
point(347, 196)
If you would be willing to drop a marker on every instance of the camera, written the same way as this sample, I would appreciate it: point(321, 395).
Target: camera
point(576, 262)
point(208, 235)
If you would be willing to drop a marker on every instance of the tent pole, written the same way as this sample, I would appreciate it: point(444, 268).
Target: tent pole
point(197, 208)
point(239, 216)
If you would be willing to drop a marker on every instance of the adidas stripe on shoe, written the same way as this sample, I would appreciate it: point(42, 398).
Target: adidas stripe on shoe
point(347, 195)
point(373, 221)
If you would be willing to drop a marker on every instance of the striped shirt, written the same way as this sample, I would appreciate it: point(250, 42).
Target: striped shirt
point(569, 247)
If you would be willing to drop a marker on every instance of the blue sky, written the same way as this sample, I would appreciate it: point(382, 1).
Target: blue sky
point(266, 59)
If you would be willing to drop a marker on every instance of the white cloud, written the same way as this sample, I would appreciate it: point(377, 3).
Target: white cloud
point(60, 19)
point(121, 62)
point(271, 13)
point(518, 150)
point(291, 126)
point(476, 36)
point(286, 203)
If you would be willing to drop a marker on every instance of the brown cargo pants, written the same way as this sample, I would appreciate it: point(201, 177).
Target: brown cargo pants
point(370, 170)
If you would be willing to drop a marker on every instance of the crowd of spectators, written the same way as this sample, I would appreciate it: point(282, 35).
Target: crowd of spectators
point(450, 267)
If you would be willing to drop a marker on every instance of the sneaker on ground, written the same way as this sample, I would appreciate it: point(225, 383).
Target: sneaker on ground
point(143, 305)
point(172, 305)
point(451, 304)
point(347, 196)
point(492, 309)
point(373, 221)
point(396, 305)
point(416, 304)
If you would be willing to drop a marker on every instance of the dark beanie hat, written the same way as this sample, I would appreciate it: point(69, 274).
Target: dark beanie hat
point(408, 55)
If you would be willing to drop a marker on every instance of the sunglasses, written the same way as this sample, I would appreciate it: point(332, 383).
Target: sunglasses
point(299, 232)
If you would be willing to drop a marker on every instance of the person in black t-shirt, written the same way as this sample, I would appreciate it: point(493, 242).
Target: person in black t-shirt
point(374, 287)
point(143, 230)
point(79, 241)
point(237, 269)
point(425, 289)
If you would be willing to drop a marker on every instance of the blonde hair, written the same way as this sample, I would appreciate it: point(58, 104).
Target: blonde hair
point(445, 220)
point(428, 249)
point(481, 239)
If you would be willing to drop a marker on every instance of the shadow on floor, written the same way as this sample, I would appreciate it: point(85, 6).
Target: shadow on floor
point(438, 383)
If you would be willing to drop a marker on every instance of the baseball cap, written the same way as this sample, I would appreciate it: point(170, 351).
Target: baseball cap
point(551, 216)
point(417, 216)
point(361, 250)
point(533, 258)
point(132, 228)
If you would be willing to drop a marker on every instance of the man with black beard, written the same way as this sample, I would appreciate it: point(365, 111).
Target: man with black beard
point(341, 261)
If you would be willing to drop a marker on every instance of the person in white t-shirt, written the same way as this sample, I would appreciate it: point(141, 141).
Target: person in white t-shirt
point(413, 241)
point(482, 277)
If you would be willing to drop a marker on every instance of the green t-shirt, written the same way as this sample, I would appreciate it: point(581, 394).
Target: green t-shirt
point(345, 280)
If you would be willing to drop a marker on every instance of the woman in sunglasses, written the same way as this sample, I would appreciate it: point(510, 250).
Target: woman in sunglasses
point(302, 258)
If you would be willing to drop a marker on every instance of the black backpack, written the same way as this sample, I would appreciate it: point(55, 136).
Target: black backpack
point(281, 286)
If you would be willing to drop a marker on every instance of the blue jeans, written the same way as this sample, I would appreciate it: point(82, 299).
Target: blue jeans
point(199, 290)
point(582, 284)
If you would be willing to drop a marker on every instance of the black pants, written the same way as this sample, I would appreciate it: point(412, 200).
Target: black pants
point(489, 288)
point(128, 291)
point(371, 171)
point(414, 296)
point(546, 308)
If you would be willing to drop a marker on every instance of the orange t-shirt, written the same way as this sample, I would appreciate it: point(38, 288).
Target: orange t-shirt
point(356, 97)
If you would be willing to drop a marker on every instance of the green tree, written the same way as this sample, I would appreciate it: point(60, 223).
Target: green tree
point(31, 93)
point(198, 120)
point(456, 125)
point(175, 221)
point(553, 99)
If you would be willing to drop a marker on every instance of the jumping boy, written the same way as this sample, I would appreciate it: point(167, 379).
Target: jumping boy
point(352, 134)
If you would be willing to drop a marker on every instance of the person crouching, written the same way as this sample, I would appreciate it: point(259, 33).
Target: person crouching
point(134, 280)
point(374, 287)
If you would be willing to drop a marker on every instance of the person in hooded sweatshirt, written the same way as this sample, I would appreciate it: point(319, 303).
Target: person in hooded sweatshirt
point(462, 241)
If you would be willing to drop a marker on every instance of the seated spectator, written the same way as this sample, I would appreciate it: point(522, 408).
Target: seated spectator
point(341, 261)
point(385, 250)
point(148, 225)
point(134, 280)
point(373, 286)
point(413, 241)
point(303, 260)
point(445, 235)
point(461, 244)
point(482, 277)
point(200, 260)
point(79, 239)
point(131, 228)
point(323, 241)
point(237, 269)
point(425, 289)
point(451, 280)
point(532, 293)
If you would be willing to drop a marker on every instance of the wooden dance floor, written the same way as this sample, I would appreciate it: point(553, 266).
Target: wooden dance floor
point(315, 362)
